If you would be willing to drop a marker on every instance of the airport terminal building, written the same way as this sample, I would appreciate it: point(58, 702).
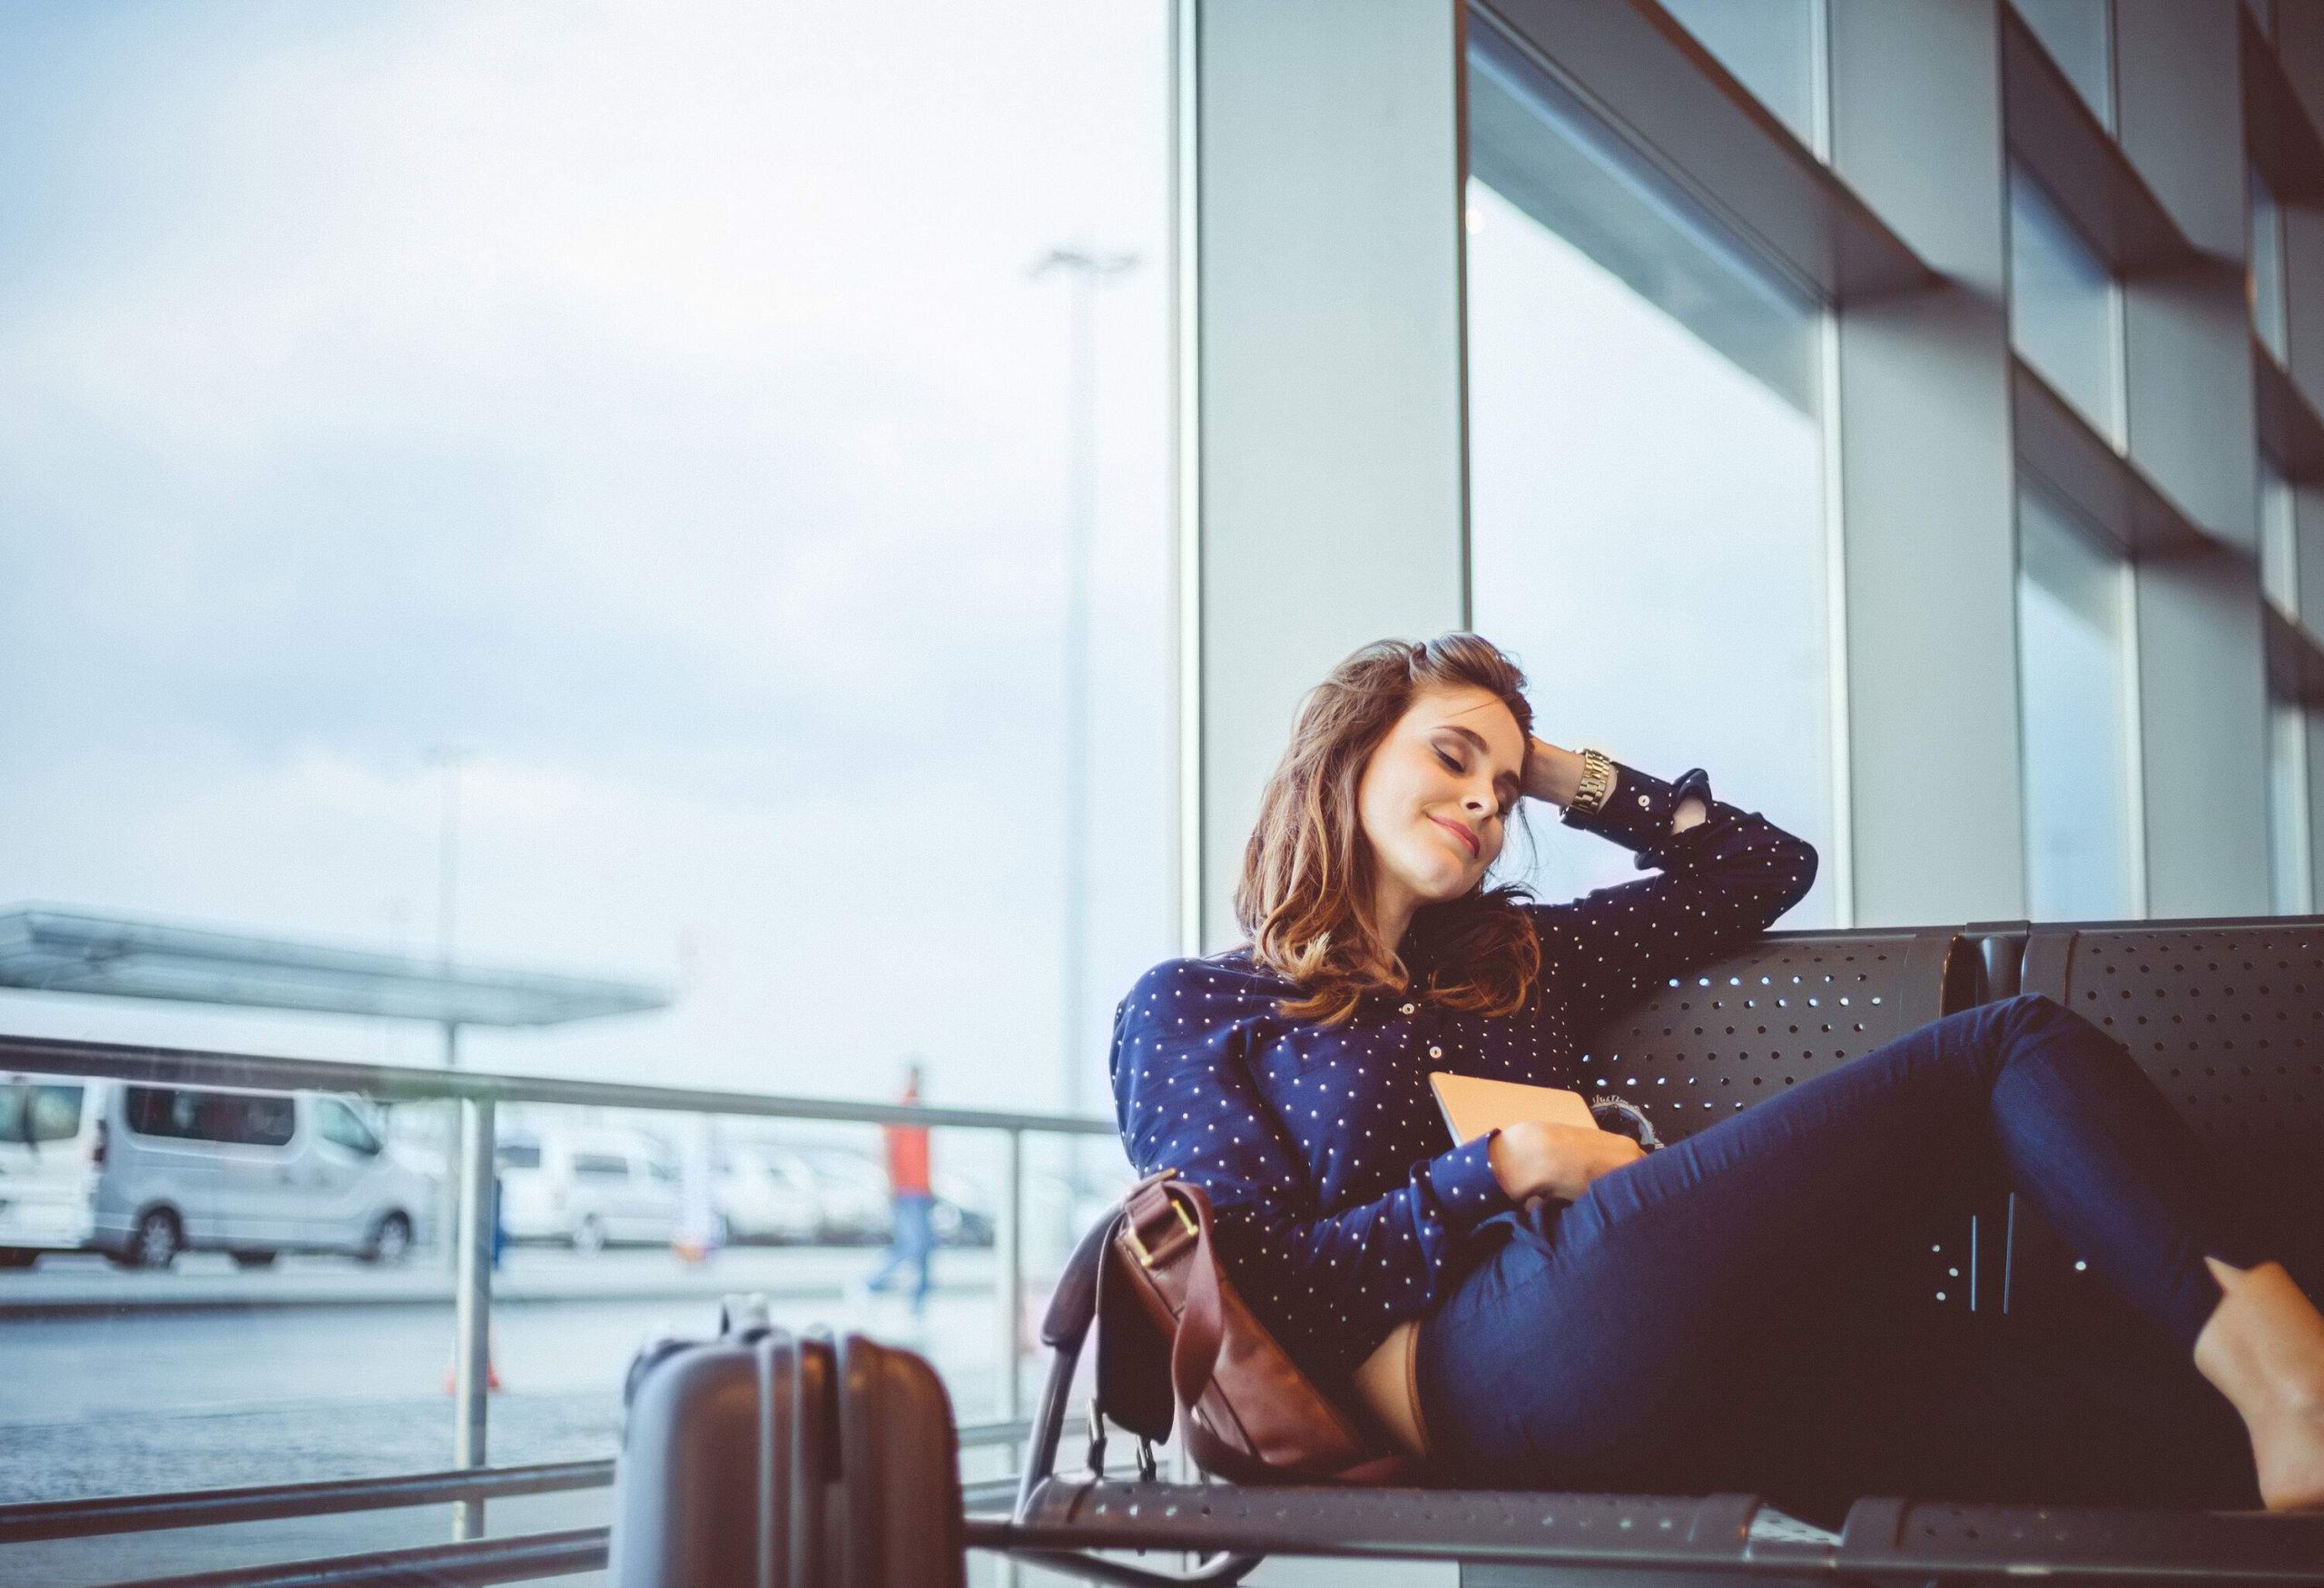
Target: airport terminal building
point(593, 586)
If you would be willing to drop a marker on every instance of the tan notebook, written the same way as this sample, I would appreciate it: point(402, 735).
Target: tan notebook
point(1473, 1105)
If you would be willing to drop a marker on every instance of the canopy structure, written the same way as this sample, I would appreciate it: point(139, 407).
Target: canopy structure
point(61, 950)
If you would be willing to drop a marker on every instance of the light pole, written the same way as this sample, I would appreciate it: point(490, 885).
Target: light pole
point(1085, 270)
point(448, 760)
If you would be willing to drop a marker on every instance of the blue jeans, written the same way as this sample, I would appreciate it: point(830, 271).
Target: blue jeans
point(914, 1243)
point(1742, 1310)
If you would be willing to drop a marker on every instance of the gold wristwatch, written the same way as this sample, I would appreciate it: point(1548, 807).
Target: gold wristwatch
point(1596, 784)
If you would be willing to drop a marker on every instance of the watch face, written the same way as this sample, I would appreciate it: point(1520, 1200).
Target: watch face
point(1625, 1118)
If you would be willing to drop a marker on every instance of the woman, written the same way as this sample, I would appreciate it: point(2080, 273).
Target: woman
point(1551, 1307)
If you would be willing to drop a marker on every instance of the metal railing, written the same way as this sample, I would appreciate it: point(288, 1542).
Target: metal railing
point(470, 1484)
point(105, 1514)
point(28, 1522)
point(444, 1565)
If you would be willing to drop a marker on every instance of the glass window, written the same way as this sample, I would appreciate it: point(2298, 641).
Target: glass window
point(2279, 541)
point(611, 1165)
point(2292, 872)
point(601, 488)
point(192, 1114)
point(1770, 46)
point(335, 1122)
point(2078, 34)
point(518, 1155)
point(261, 1120)
point(2064, 317)
point(2264, 279)
point(159, 1111)
point(33, 1112)
point(1646, 464)
point(607, 424)
point(2072, 622)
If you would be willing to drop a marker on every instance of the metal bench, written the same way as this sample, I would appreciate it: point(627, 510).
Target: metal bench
point(1789, 1008)
point(2227, 1017)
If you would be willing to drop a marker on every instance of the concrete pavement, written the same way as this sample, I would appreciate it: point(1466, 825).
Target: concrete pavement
point(134, 1397)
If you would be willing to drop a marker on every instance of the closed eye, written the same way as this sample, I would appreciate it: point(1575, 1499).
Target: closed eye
point(1499, 811)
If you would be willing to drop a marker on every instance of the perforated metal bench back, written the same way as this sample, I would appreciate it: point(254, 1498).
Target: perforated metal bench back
point(1785, 1010)
point(2227, 1016)
point(1788, 1009)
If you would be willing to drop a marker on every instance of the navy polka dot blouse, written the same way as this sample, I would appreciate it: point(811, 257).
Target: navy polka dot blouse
point(1337, 1203)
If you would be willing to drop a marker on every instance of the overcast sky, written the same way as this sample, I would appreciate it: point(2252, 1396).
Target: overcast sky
point(648, 398)
point(651, 400)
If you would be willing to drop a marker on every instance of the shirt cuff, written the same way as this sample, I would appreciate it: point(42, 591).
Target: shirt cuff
point(1638, 815)
point(1465, 1185)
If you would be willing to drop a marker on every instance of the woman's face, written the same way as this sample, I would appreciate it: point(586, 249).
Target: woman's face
point(1439, 789)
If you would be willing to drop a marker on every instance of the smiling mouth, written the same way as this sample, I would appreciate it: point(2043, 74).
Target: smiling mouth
point(1462, 833)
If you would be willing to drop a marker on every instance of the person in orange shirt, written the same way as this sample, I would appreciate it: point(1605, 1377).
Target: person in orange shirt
point(911, 1201)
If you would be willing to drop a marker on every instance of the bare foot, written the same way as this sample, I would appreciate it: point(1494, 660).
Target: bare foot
point(2264, 1348)
point(2290, 1453)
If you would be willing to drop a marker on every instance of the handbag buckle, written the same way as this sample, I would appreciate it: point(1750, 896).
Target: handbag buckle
point(1147, 1258)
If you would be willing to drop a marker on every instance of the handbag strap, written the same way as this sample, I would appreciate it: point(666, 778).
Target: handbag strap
point(1201, 1335)
point(1202, 1324)
point(1194, 1349)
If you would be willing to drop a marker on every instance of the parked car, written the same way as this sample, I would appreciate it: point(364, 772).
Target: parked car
point(851, 1195)
point(764, 1194)
point(859, 1210)
point(142, 1173)
point(1058, 1212)
point(588, 1189)
point(963, 1214)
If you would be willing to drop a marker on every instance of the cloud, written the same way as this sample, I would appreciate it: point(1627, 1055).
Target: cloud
point(648, 395)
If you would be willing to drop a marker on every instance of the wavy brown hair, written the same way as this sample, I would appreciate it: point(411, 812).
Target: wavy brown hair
point(1306, 895)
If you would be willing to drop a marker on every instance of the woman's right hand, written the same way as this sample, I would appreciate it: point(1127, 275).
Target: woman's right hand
point(1533, 1159)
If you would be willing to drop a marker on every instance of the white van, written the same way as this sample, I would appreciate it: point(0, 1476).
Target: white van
point(764, 1194)
point(586, 1189)
point(142, 1173)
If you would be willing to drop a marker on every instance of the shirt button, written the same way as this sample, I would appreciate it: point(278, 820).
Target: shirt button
point(1410, 1007)
point(1436, 1052)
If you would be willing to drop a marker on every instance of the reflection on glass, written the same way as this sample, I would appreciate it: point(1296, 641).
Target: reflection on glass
point(2291, 871)
point(2062, 310)
point(2279, 541)
point(1552, 158)
point(1770, 47)
point(2264, 279)
point(1646, 469)
point(2078, 34)
point(2073, 706)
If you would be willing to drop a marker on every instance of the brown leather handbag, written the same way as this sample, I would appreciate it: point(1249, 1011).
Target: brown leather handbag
point(1168, 1316)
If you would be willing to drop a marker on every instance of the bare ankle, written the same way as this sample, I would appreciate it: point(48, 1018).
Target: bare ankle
point(2263, 1346)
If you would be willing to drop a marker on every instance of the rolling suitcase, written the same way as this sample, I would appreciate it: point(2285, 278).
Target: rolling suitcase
point(901, 1524)
point(728, 1452)
point(762, 1459)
